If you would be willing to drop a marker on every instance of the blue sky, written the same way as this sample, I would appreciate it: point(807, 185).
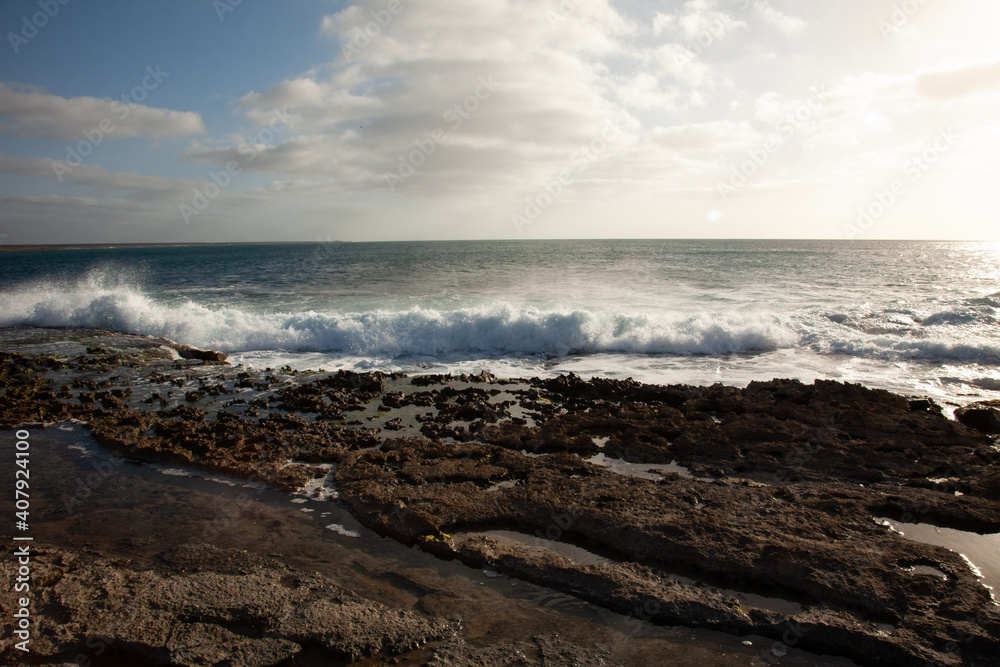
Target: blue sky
point(102, 49)
point(498, 119)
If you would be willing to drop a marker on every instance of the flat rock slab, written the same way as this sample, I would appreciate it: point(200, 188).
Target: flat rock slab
point(203, 606)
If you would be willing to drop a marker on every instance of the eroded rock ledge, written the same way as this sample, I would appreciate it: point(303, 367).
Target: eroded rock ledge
point(198, 605)
point(771, 489)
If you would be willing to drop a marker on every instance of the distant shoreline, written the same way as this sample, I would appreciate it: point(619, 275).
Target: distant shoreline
point(111, 246)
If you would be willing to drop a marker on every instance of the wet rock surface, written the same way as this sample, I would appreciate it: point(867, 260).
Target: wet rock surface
point(198, 605)
point(774, 496)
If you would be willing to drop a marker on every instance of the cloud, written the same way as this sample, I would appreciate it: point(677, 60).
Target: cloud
point(697, 18)
point(484, 105)
point(676, 62)
point(438, 28)
point(713, 137)
point(703, 21)
point(32, 114)
point(873, 112)
point(959, 80)
point(491, 97)
point(786, 23)
point(101, 181)
point(644, 91)
point(388, 104)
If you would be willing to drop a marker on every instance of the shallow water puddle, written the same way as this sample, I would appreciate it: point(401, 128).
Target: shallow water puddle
point(926, 569)
point(779, 605)
point(982, 552)
point(583, 556)
point(651, 471)
point(507, 484)
point(755, 600)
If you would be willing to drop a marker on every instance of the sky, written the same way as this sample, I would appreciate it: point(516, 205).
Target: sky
point(232, 121)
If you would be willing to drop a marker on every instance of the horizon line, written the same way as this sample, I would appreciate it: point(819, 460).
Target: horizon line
point(36, 247)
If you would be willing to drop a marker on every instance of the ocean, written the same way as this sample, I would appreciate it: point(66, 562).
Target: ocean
point(912, 317)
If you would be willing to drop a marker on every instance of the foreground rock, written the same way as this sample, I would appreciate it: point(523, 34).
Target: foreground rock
point(814, 545)
point(202, 606)
point(749, 511)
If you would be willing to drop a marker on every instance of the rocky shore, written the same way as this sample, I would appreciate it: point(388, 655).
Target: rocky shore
point(750, 511)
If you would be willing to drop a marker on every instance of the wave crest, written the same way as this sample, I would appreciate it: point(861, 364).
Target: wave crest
point(496, 329)
point(493, 329)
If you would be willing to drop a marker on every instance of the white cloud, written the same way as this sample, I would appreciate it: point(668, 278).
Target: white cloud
point(959, 80)
point(102, 181)
point(488, 101)
point(697, 18)
point(784, 22)
point(498, 95)
point(712, 137)
point(360, 118)
point(674, 61)
point(34, 114)
point(873, 111)
point(644, 91)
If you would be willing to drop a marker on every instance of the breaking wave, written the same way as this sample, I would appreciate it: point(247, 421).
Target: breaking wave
point(496, 329)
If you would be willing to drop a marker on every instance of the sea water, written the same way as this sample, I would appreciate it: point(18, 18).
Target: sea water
point(913, 317)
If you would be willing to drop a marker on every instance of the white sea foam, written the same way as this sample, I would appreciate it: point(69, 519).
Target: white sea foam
point(497, 328)
point(341, 530)
point(502, 329)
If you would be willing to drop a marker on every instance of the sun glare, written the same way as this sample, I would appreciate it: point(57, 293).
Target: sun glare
point(974, 28)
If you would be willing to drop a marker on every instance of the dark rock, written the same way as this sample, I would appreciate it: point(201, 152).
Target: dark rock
point(983, 417)
point(924, 405)
point(187, 352)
